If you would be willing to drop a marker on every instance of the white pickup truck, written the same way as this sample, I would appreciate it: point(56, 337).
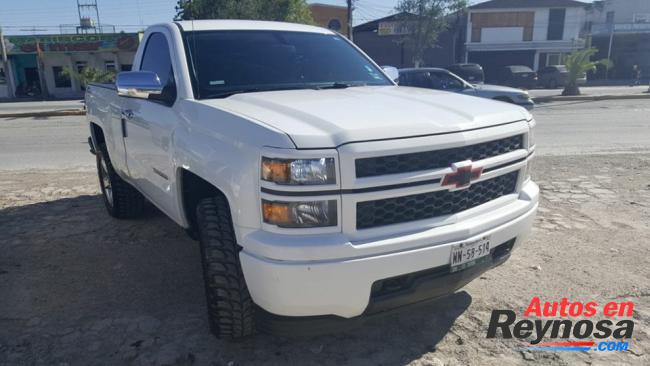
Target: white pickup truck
point(317, 188)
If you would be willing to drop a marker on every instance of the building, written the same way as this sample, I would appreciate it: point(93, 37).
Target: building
point(36, 64)
point(535, 33)
point(382, 40)
point(620, 31)
point(330, 16)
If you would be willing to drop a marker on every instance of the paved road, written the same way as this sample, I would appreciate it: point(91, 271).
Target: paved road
point(564, 128)
point(589, 127)
point(44, 143)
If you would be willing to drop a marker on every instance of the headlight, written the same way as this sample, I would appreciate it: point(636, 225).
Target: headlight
point(299, 171)
point(524, 96)
point(300, 214)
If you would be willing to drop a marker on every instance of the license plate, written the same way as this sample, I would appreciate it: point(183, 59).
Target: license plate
point(469, 253)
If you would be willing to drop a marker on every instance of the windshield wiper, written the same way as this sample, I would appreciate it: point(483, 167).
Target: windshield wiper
point(338, 85)
point(227, 93)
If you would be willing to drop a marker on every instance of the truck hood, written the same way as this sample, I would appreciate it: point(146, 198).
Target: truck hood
point(332, 117)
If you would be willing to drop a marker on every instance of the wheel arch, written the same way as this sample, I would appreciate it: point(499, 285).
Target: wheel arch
point(97, 134)
point(192, 188)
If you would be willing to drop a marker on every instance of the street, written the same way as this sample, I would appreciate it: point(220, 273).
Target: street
point(77, 287)
point(585, 127)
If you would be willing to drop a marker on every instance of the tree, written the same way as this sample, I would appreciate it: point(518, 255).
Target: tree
point(295, 11)
point(431, 18)
point(578, 64)
point(90, 74)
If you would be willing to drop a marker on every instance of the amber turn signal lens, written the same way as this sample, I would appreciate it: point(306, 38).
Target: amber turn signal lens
point(300, 214)
point(276, 213)
point(275, 170)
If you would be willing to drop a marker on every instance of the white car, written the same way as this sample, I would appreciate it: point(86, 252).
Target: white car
point(317, 188)
point(441, 79)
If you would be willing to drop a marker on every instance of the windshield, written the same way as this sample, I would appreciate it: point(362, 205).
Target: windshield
point(230, 62)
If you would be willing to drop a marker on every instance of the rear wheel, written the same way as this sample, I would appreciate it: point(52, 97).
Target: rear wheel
point(230, 307)
point(121, 199)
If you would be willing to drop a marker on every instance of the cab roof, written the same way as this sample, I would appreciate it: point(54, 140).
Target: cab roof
point(229, 24)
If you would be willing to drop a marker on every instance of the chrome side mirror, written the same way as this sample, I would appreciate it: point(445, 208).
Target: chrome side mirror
point(392, 72)
point(138, 84)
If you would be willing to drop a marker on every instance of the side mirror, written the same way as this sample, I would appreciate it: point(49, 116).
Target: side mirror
point(138, 84)
point(392, 72)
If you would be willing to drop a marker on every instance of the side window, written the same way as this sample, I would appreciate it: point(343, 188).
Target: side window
point(419, 80)
point(448, 82)
point(157, 59)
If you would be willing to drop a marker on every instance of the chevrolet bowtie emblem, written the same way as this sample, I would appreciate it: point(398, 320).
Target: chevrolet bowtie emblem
point(462, 176)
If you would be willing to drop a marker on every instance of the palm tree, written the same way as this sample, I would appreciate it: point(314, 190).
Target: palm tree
point(577, 64)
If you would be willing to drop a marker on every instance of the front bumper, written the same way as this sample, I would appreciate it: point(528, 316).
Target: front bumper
point(343, 287)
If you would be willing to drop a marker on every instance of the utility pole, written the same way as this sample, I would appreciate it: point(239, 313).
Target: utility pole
point(9, 78)
point(350, 30)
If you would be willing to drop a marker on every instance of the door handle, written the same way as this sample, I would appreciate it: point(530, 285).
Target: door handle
point(127, 113)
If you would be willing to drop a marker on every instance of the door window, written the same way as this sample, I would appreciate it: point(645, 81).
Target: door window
point(444, 81)
point(417, 79)
point(157, 59)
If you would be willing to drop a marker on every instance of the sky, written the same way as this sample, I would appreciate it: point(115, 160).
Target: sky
point(45, 16)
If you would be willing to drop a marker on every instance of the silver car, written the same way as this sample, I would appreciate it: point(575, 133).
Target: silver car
point(441, 79)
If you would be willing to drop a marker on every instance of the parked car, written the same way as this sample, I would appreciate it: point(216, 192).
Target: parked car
point(316, 187)
point(473, 73)
point(441, 79)
point(556, 76)
point(552, 77)
point(519, 76)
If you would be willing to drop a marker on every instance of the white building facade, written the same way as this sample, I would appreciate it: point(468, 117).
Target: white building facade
point(535, 33)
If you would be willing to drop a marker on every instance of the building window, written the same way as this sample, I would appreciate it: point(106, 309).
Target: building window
point(554, 59)
point(80, 65)
point(610, 17)
point(126, 67)
point(556, 24)
point(109, 65)
point(61, 79)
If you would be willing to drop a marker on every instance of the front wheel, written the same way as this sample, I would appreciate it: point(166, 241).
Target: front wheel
point(230, 307)
point(121, 199)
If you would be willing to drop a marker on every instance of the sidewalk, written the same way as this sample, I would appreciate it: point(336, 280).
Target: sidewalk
point(592, 93)
point(42, 108)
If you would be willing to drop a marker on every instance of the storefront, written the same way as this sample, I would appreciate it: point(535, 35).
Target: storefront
point(41, 65)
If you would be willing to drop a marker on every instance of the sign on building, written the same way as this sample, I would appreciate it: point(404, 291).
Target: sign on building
point(642, 18)
point(398, 28)
point(72, 43)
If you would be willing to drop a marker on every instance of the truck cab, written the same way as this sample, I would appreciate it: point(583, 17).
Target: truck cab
point(316, 187)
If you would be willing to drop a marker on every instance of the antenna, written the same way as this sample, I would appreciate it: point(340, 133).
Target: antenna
point(88, 17)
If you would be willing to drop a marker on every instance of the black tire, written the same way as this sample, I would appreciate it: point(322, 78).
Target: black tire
point(121, 199)
point(230, 307)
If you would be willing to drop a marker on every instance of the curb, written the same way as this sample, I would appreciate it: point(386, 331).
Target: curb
point(560, 98)
point(64, 112)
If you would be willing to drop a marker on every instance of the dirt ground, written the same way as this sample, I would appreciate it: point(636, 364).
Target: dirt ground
point(80, 288)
